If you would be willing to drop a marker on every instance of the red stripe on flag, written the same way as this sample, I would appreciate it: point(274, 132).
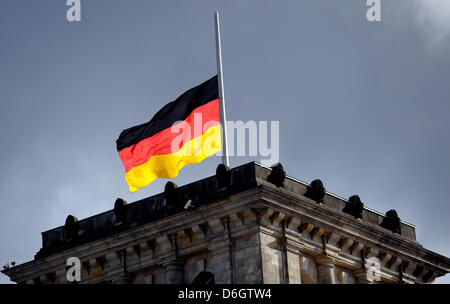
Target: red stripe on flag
point(161, 142)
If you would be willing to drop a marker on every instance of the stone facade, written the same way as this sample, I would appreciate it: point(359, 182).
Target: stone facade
point(257, 227)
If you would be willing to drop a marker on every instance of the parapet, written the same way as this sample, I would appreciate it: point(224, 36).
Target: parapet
point(206, 191)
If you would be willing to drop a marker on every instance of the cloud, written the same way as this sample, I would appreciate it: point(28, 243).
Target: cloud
point(433, 18)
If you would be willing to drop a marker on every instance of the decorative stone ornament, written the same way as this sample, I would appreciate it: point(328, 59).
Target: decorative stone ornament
point(170, 194)
point(223, 176)
point(120, 210)
point(354, 206)
point(391, 221)
point(277, 176)
point(71, 227)
point(316, 191)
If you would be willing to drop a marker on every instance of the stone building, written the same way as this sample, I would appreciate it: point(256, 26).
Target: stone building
point(251, 224)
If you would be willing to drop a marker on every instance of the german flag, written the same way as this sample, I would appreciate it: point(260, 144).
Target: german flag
point(183, 132)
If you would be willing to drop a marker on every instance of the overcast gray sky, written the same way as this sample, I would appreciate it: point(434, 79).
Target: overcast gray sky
point(362, 105)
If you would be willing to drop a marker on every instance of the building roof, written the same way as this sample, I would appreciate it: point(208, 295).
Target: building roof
point(201, 192)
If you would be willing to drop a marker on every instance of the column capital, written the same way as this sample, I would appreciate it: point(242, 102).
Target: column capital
point(123, 279)
point(325, 260)
point(173, 263)
point(325, 269)
point(362, 277)
point(174, 270)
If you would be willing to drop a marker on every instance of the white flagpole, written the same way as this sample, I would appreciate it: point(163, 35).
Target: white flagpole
point(221, 94)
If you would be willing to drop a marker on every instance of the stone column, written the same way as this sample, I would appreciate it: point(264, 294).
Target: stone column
point(293, 266)
point(325, 269)
point(174, 272)
point(222, 263)
point(361, 277)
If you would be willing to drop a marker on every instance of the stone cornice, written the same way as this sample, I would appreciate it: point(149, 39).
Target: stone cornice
point(370, 234)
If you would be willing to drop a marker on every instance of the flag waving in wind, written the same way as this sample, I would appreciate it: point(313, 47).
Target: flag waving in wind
point(183, 132)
